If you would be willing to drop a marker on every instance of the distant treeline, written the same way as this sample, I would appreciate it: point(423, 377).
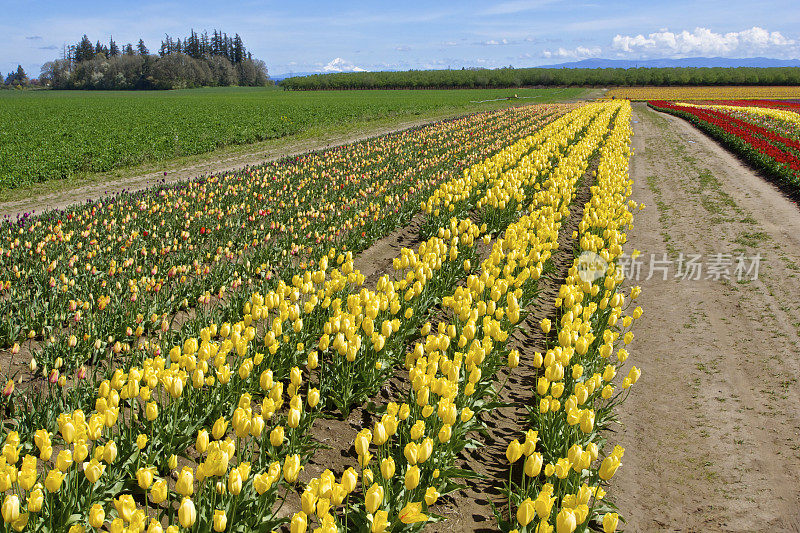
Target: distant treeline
point(511, 77)
point(196, 61)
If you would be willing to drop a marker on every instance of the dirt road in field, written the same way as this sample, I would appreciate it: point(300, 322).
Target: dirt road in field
point(712, 429)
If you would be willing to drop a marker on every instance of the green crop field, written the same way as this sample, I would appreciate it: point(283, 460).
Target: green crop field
point(47, 135)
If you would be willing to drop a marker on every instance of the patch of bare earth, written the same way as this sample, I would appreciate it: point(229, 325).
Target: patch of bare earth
point(712, 429)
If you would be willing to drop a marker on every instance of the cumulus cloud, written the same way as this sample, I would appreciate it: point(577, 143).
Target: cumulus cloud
point(341, 65)
point(580, 52)
point(495, 42)
point(702, 41)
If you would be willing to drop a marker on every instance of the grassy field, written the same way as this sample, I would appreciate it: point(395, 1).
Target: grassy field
point(49, 135)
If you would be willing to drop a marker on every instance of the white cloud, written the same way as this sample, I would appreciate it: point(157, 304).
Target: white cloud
point(402, 48)
point(702, 41)
point(495, 42)
point(580, 52)
point(341, 65)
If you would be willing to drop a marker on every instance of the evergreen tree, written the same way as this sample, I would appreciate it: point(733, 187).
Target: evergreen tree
point(205, 45)
point(142, 49)
point(239, 52)
point(113, 49)
point(84, 50)
point(128, 49)
point(100, 49)
point(18, 78)
point(228, 48)
point(216, 43)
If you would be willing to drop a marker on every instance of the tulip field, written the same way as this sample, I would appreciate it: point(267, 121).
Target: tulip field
point(763, 132)
point(168, 354)
point(719, 92)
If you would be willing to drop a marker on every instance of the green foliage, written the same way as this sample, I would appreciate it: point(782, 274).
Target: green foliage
point(48, 135)
point(509, 77)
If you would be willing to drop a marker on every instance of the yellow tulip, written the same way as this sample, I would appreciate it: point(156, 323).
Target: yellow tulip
point(35, 500)
point(125, 506)
point(380, 522)
point(533, 465)
point(412, 477)
point(235, 482)
point(349, 480)
point(220, 520)
point(609, 467)
point(412, 513)
point(565, 521)
point(291, 468)
point(185, 484)
point(610, 521)
point(513, 451)
point(219, 428)
point(158, 491)
point(387, 468)
point(11, 508)
point(97, 516)
point(22, 522)
point(53, 481)
point(526, 512)
point(187, 514)
point(144, 477)
point(299, 523)
point(374, 497)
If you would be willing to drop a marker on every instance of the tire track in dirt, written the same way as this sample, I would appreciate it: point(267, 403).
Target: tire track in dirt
point(711, 429)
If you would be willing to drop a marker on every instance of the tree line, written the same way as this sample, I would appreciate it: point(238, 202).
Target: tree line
point(511, 77)
point(195, 61)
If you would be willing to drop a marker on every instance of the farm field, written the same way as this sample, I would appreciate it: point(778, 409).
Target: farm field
point(550, 317)
point(764, 133)
point(201, 411)
point(732, 92)
point(65, 134)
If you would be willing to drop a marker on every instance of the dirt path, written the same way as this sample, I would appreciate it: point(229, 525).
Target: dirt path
point(62, 195)
point(712, 429)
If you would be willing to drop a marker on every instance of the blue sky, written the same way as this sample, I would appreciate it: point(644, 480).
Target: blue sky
point(376, 35)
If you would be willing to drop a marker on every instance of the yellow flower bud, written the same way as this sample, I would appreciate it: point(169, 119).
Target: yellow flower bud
point(526, 512)
point(187, 514)
point(412, 477)
point(220, 520)
point(97, 516)
point(374, 497)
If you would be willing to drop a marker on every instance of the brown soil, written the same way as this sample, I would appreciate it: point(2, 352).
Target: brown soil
point(711, 429)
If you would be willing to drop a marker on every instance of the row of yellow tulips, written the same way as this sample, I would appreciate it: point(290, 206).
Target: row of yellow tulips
point(561, 486)
point(407, 456)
